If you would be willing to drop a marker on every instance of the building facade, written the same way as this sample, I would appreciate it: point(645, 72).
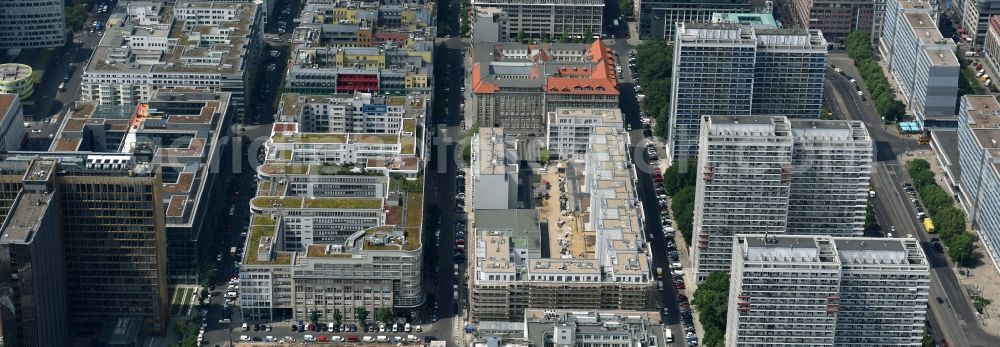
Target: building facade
point(773, 175)
point(183, 132)
point(105, 278)
point(32, 24)
point(32, 268)
point(494, 170)
point(569, 130)
point(979, 156)
point(12, 129)
point(837, 18)
point(745, 167)
point(348, 113)
point(515, 85)
point(827, 291)
point(205, 46)
point(737, 69)
point(337, 218)
point(658, 18)
point(16, 79)
point(991, 45)
point(976, 17)
point(922, 62)
point(549, 19)
point(831, 172)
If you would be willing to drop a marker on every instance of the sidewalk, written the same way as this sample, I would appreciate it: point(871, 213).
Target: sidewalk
point(983, 279)
point(685, 260)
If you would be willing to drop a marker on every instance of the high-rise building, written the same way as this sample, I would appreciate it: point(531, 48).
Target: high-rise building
point(827, 291)
point(738, 69)
point(99, 201)
point(549, 19)
point(32, 272)
point(658, 18)
point(514, 85)
point(184, 132)
point(775, 175)
point(978, 157)
point(922, 62)
point(32, 24)
point(837, 18)
point(745, 171)
point(831, 170)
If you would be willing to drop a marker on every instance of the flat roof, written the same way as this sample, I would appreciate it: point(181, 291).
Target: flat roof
point(983, 110)
point(25, 218)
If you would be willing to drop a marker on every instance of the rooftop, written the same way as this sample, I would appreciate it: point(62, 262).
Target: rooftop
point(270, 202)
point(25, 217)
point(983, 111)
point(199, 39)
point(551, 68)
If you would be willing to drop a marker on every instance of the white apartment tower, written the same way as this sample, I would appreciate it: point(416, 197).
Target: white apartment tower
point(745, 168)
point(921, 60)
point(738, 69)
point(831, 170)
point(826, 291)
point(770, 174)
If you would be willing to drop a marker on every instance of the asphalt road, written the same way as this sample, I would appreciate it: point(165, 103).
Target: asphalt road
point(52, 103)
point(955, 319)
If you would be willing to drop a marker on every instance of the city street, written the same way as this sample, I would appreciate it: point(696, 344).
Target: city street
point(893, 208)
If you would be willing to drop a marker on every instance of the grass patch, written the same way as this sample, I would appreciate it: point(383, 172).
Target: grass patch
point(37, 58)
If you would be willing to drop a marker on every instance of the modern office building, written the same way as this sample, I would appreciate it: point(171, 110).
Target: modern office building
point(658, 18)
point(738, 69)
point(12, 129)
point(991, 46)
point(32, 24)
point(16, 79)
point(351, 113)
point(97, 201)
point(831, 173)
point(515, 85)
point(207, 46)
point(592, 258)
point(184, 133)
point(494, 170)
point(551, 19)
point(336, 222)
point(569, 130)
point(827, 291)
point(32, 271)
point(745, 174)
point(837, 18)
point(921, 61)
point(979, 156)
point(976, 17)
point(775, 175)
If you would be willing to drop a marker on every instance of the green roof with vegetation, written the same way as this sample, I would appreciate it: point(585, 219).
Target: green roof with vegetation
point(260, 227)
point(303, 202)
